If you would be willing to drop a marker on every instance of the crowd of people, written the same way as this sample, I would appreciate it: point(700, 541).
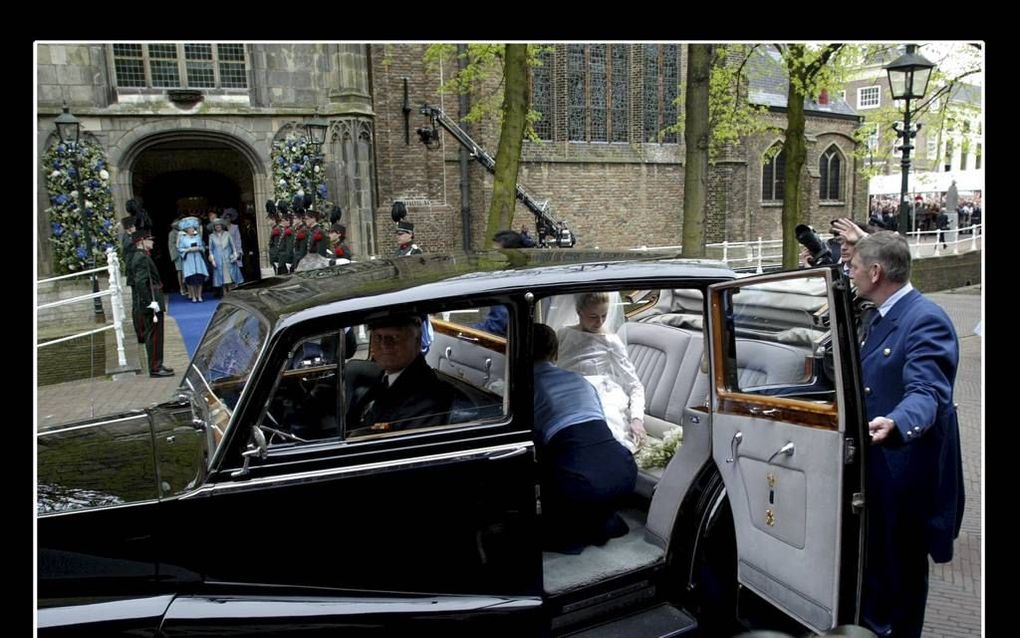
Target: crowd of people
point(929, 213)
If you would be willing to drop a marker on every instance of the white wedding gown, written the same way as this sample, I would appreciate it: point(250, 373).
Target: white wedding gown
point(602, 359)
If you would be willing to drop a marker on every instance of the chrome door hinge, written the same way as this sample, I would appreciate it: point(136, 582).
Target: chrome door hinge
point(857, 502)
point(849, 451)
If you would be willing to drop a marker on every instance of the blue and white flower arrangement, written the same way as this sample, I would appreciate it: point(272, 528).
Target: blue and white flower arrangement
point(294, 172)
point(67, 219)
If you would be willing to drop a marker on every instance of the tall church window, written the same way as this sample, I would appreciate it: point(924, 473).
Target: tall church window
point(620, 104)
point(773, 177)
point(659, 70)
point(830, 173)
point(542, 95)
point(597, 92)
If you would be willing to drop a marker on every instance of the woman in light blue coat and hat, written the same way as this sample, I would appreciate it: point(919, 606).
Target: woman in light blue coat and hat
point(192, 251)
point(223, 254)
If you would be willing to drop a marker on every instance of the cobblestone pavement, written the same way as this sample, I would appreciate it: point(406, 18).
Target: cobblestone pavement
point(955, 590)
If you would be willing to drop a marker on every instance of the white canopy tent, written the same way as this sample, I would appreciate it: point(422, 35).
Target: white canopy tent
point(929, 182)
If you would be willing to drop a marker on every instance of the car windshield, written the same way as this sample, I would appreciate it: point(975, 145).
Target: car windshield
point(224, 362)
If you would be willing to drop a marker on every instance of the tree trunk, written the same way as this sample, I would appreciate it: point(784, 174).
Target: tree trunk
point(803, 76)
point(516, 98)
point(696, 132)
point(795, 152)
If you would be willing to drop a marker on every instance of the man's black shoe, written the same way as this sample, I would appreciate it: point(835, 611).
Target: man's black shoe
point(162, 372)
point(166, 368)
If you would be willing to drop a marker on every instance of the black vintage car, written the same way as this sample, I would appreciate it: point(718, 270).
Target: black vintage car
point(248, 505)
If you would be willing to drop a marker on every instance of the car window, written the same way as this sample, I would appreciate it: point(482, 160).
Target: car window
point(778, 339)
point(304, 405)
point(223, 364)
point(388, 377)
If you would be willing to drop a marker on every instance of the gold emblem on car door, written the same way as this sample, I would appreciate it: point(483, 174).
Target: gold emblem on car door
point(770, 517)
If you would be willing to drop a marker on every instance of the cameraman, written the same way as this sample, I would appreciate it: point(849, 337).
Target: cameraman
point(816, 252)
point(845, 235)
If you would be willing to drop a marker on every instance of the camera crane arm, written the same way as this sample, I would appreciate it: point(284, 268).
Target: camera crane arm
point(546, 225)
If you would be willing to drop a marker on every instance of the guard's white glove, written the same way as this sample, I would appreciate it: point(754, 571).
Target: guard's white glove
point(288, 267)
point(154, 305)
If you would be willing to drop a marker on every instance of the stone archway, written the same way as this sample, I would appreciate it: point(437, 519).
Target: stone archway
point(177, 168)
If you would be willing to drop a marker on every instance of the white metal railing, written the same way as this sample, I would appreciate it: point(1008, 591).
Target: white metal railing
point(116, 294)
point(925, 243)
point(769, 252)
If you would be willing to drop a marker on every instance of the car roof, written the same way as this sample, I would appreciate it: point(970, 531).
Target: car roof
point(396, 280)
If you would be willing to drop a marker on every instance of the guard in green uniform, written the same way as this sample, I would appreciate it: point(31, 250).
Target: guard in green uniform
point(301, 237)
point(149, 299)
point(275, 235)
point(318, 243)
point(405, 239)
point(286, 250)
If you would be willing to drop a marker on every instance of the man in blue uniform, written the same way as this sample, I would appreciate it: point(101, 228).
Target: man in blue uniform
point(915, 478)
point(584, 473)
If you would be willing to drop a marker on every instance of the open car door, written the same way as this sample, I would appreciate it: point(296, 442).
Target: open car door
point(787, 426)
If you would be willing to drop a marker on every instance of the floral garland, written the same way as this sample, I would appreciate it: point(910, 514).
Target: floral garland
point(658, 453)
point(294, 172)
point(68, 224)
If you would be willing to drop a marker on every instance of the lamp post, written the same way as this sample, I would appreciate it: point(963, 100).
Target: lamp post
point(69, 131)
point(908, 80)
point(316, 129)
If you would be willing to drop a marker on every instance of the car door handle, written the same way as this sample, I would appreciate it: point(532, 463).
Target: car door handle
point(734, 443)
point(505, 454)
point(786, 450)
point(762, 412)
point(464, 337)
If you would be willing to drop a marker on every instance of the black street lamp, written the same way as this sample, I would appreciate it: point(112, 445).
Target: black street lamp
point(69, 131)
point(316, 129)
point(908, 80)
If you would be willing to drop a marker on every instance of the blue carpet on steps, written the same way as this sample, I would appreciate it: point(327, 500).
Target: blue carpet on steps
point(191, 318)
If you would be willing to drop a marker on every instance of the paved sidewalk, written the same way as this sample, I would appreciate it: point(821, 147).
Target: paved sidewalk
point(72, 401)
point(955, 589)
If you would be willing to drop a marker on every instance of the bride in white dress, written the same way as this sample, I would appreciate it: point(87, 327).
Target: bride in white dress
point(600, 355)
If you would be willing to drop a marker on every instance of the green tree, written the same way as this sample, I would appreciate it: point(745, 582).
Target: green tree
point(808, 70)
point(939, 113)
point(716, 121)
point(516, 99)
point(497, 77)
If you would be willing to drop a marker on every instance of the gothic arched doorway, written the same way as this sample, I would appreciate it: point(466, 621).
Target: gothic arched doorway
point(195, 175)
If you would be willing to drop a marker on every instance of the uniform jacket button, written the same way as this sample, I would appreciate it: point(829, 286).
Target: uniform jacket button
point(887, 351)
point(867, 391)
